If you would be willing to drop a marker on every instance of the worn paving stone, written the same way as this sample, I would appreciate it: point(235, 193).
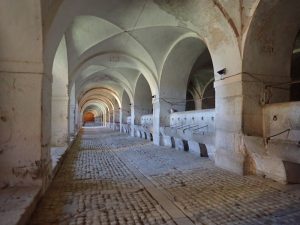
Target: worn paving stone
point(209, 195)
point(94, 186)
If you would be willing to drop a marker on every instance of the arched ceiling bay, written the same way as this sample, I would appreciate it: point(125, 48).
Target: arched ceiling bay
point(101, 86)
point(103, 92)
point(101, 105)
point(99, 73)
point(98, 106)
point(100, 99)
point(111, 43)
point(127, 67)
point(95, 110)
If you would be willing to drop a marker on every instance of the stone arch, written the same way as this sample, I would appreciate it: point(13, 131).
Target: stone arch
point(208, 95)
point(142, 99)
point(202, 74)
point(90, 71)
point(267, 58)
point(125, 61)
point(88, 116)
point(104, 100)
point(177, 75)
point(104, 93)
point(269, 44)
point(97, 102)
point(98, 108)
point(60, 97)
point(101, 107)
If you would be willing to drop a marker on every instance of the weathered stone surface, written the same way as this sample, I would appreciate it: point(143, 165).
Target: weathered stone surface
point(96, 185)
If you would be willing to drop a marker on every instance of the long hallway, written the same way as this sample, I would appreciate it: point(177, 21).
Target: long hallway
point(111, 178)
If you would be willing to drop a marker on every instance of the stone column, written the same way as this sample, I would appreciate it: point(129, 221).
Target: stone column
point(113, 119)
point(161, 118)
point(116, 118)
point(77, 118)
point(59, 121)
point(121, 118)
point(72, 131)
point(229, 106)
point(198, 104)
point(25, 159)
point(72, 119)
point(239, 102)
point(156, 121)
point(80, 122)
point(132, 121)
point(107, 118)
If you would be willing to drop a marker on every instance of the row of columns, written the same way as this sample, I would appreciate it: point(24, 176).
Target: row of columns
point(237, 112)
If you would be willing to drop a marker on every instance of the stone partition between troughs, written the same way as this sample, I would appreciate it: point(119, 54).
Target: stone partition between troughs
point(273, 154)
point(192, 131)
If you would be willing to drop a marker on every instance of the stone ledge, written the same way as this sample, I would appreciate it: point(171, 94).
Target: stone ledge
point(57, 154)
point(17, 204)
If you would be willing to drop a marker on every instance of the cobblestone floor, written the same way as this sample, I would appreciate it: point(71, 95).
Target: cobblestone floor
point(97, 185)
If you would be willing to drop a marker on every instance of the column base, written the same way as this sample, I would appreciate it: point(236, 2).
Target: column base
point(230, 161)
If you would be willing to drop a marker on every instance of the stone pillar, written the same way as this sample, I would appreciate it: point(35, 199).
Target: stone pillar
point(121, 118)
point(103, 119)
point(72, 131)
point(132, 120)
point(107, 118)
point(156, 121)
point(72, 108)
point(198, 104)
point(161, 118)
point(25, 159)
point(59, 121)
point(114, 118)
point(239, 101)
point(229, 122)
point(77, 118)
point(165, 111)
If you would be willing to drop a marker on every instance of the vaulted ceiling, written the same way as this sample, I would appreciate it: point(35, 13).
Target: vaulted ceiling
point(107, 45)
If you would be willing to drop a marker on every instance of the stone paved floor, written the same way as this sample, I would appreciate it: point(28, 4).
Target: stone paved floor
point(110, 178)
